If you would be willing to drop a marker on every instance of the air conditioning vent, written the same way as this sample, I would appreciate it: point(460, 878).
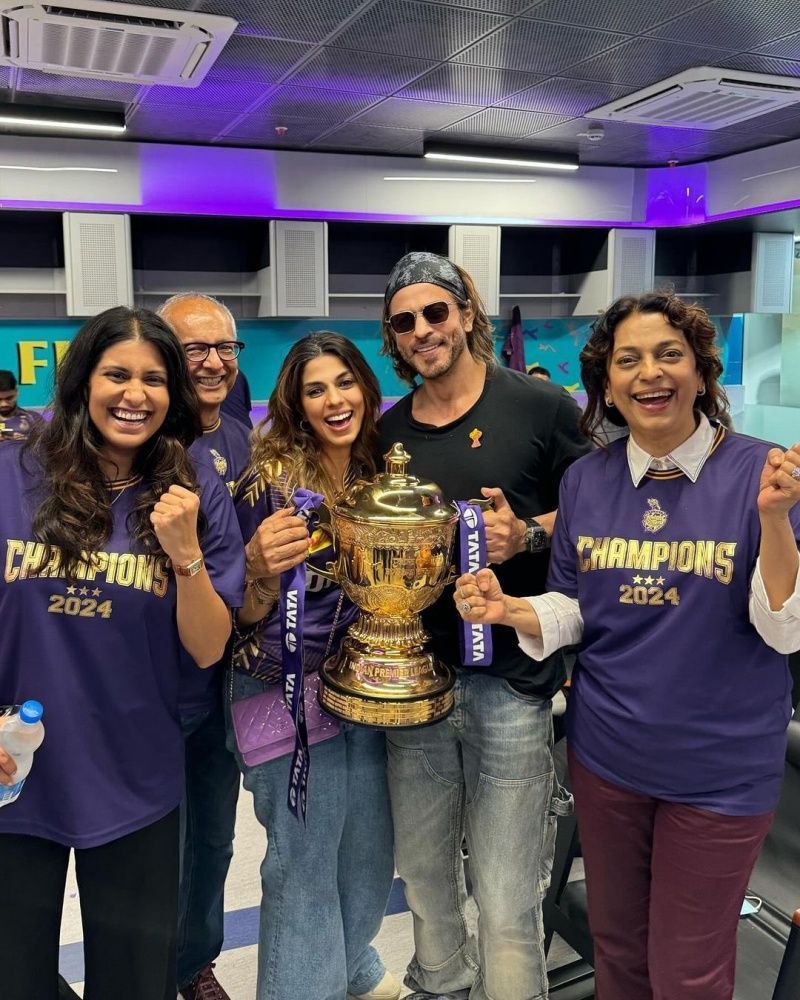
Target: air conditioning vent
point(703, 98)
point(112, 41)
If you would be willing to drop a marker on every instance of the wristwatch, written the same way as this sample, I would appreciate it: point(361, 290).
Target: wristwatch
point(536, 539)
point(190, 569)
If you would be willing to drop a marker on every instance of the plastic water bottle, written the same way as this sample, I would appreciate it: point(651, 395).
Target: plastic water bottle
point(20, 736)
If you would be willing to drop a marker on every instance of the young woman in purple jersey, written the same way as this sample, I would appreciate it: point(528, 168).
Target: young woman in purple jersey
point(675, 569)
point(116, 556)
point(322, 902)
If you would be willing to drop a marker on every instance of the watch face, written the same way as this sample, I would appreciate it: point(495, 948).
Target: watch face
point(536, 538)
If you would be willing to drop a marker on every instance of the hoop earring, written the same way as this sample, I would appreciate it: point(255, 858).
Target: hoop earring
point(609, 403)
point(305, 426)
point(701, 391)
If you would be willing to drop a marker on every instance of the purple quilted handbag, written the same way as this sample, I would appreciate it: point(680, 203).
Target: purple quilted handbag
point(264, 728)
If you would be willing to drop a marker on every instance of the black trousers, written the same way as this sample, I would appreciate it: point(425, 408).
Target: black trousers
point(129, 910)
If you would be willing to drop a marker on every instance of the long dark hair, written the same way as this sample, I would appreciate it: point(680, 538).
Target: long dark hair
point(286, 453)
point(74, 509)
point(480, 339)
point(694, 324)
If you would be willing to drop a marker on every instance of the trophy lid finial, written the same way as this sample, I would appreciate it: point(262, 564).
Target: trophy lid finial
point(397, 458)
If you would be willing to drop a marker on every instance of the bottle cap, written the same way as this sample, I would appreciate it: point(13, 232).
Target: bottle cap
point(31, 712)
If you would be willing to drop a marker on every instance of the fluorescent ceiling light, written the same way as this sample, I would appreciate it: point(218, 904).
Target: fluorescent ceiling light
point(467, 180)
point(61, 119)
point(501, 157)
point(60, 170)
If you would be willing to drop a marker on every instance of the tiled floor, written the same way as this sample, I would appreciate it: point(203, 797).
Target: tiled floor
point(236, 968)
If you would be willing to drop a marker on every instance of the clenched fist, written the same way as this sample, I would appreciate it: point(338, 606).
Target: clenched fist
point(174, 520)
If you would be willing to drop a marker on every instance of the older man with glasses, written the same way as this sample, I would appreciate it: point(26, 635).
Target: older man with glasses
point(207, 331)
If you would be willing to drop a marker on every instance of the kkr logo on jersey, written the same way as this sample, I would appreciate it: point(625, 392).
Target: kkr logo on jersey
point(655, 517)
point(220, 462)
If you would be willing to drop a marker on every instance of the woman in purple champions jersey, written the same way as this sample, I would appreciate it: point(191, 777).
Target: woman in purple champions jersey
point(111, 563)
point(675, 568)
point(325, 884)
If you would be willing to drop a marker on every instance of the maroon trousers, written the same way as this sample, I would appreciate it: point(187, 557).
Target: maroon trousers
point(665, 883)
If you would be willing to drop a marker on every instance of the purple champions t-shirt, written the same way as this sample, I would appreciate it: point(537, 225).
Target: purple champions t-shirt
point(102, 655)
point(676, 695)
point(17, 425)
point(260, 655)
point(225, 450)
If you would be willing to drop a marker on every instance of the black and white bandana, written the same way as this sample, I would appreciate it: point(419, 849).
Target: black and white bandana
point(423, 268)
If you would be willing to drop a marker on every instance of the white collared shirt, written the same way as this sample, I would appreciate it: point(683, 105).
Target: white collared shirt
point(560, 617)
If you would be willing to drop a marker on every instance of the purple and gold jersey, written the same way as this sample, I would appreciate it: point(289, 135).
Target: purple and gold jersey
point(225, 450)
point(261, 655)
point(676, 695)
point(17, 425)
point(102, 655)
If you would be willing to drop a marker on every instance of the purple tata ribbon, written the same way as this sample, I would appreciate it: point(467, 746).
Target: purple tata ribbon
point(476, 640)
point(292, 606)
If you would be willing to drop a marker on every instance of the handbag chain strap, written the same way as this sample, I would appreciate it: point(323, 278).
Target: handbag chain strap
point(336, 615)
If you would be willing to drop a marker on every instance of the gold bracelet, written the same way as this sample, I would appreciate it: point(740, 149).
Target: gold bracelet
point(263, 594)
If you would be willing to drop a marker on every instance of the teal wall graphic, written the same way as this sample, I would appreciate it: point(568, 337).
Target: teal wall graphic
point(31, 349)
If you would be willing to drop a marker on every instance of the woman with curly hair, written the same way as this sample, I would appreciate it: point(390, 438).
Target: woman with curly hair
point(321, 904)
point(675, 569)
point(116, 553)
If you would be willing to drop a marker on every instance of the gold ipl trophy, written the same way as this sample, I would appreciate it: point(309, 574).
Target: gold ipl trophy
point(394, 538)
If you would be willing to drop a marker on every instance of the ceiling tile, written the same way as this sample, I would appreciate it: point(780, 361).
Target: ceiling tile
point(734, 24)
point(643, 61)
point(538, 46)
point(561, 96)
point(222, 95)
point(414, 114)
point(258, 58)
point(505, 122)
point(512, 7)
point(631, 18)
point(457, 83)
point(359, 72)
point(279, 19)
point(311, 103)
point(422, 30)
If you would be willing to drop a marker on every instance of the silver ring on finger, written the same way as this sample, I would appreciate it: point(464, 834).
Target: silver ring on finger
point(795, 473)
point(466, 607)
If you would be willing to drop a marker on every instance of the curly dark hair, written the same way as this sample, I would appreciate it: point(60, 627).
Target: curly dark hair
point(289, 454)
point(74, 502)
point(692, 321)
point(480, 340)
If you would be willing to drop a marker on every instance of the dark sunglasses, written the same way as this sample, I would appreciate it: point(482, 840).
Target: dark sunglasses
point(434, 312)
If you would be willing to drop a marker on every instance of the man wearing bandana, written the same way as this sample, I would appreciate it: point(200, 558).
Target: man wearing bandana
point(485, 772)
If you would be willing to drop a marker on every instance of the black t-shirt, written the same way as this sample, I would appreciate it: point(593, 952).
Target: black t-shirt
point(527, 431)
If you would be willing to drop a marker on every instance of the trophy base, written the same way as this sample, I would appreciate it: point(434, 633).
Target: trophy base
point(386, 689)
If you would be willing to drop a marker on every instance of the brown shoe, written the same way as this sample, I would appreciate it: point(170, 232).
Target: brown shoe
point(204, 986)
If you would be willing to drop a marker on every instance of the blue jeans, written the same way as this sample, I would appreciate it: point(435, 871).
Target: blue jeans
point(324, 887)
point(485, 772)
point(208, 817)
